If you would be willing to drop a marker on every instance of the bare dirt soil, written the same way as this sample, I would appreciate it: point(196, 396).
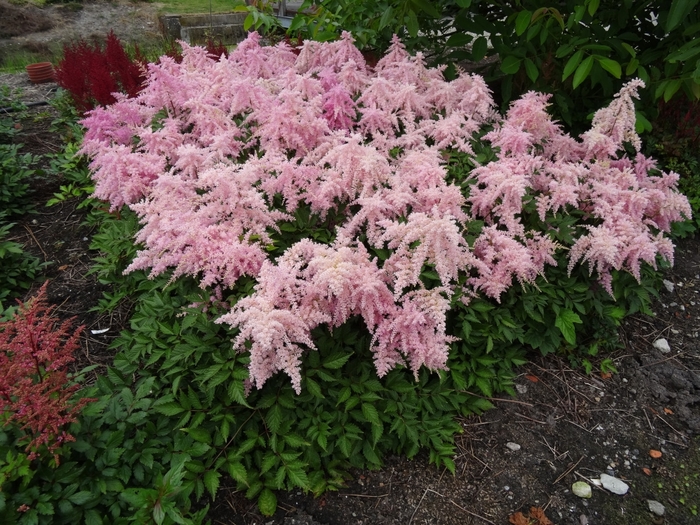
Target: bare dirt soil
point(24, 26)
point(564, 426)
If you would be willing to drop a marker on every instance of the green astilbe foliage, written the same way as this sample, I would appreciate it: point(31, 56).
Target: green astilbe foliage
point(17, 268)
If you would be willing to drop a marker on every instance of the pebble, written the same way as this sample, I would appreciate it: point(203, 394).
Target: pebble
point(513, 446)
point(614, 485)
point(656, 507)
point(521, 388)
point(662, 345)
point(668, 285)
point(582, 489)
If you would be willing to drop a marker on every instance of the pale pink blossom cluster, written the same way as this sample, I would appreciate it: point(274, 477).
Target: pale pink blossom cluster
point(627, 209)
point(208, 147)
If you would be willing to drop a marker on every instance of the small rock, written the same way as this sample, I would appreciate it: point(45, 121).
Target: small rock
point(512, 446)
point(656, 507)
point(582, 489)
point(583, 520)
point(668, 285)
point(521, 388)
point(614, 485)
point(662, 346)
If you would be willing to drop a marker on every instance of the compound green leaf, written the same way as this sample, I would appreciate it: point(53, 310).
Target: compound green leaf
point(565, 321)
point(212, 479)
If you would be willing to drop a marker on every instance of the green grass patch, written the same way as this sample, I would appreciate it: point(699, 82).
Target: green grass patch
point(199, 6)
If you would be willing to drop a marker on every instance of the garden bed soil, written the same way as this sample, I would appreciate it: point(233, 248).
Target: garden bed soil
point(564, 425)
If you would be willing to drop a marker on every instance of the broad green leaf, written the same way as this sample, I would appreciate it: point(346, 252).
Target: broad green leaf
point(629, 49)
point(522, 22)
point(158, 513)
point(458, 39)
point(531, 70)
point(267, 502)
point(479, 49)
point(386, 18)
point(92, 517)
point(248, 22)
point(632, 66)
point(565, 321)
point(582, 71)
point(611, 66)
point(80, 498)
point(688, 51)
point(427, 7)
point(671, 88)
point(679, 10)
point(464, 4)
point(593, 6)
point(695, 88)
point(511, 64)
point(211, 482)
point(412, 24)
point(572, 64)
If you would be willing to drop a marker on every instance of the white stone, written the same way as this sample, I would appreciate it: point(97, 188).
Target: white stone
point(656, 507)
point(668, 285)
point(614, 485)
point(582, 489)
point(662, 346)
point(512, 446)
point(522, 389)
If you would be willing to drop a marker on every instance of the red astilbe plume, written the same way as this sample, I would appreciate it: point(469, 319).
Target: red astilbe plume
point(92, 74)
point(35, 392)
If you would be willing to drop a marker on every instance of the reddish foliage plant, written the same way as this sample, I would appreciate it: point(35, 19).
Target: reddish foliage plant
point(35, 392)
point(92, 73)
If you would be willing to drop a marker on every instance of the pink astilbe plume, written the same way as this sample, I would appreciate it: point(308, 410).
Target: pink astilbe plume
point(311, 284)
point(627, 208)
point(614, 124)
point(217, 157)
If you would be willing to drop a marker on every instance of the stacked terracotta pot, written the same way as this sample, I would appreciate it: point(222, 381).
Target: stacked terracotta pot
point(41, 72)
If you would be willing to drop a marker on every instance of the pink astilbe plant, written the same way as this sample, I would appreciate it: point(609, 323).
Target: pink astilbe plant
point(35, 392)
point(215, 156)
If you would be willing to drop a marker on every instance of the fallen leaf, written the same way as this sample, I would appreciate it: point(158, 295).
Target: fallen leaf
point(537, 513)
point(646, 471)
point(668, 411)
point(656, 454)
point(518, 519)
point(532, 378)
point(63, 268)
point(605, 375)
